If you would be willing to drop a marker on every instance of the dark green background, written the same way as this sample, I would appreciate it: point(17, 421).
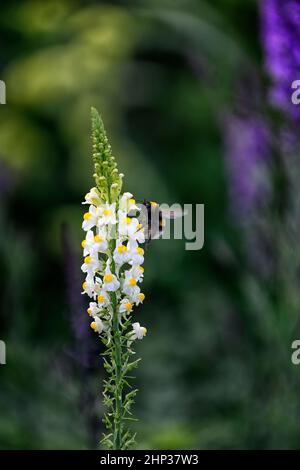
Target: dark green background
point(216, 370)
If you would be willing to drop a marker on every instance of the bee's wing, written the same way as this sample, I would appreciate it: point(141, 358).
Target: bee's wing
point(172, 213)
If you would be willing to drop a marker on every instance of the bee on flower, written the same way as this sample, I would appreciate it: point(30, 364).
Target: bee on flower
point(112, 264)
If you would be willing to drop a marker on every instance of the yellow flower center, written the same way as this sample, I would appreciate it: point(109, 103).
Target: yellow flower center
point(107, 212)
point(93, 325)
point(94, 201)
point(132, 281)
point(128, 307)
point(141, 269)
point(122, 249)
point(128, 220)
point(98, 238)
point(88, 259)
point(83, 243)
point(140, 251)
point(89, 311)
point(85, 285)
point(141, 296)
point(108, 278)
point(101, 298)
point(145, 330)
point(153, 204)
point(139, 226)
point(131, 201)
point(87, 216)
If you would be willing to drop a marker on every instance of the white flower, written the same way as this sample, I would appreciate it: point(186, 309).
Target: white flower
point(125, 306)
point(108, 214)
point(90, 218)
point(130, 286)
point(103, 298)
point(136, 253)
point(121, 254)
point(93, 309)
point(137, 272)
point(127, 250)
point(91, 264)
point(92, 197)
point(127, 203)
point(97, 325)
point(110, 281)
point(138, 298)
point(137, 231)
point(89, 286)
point(138, 331)
point(128, 226)
point(94, 243)
point(139, 235)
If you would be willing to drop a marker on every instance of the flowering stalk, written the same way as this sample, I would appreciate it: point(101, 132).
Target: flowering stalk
point(113, 261)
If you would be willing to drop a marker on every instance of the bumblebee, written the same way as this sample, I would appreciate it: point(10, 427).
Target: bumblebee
point(156, 219)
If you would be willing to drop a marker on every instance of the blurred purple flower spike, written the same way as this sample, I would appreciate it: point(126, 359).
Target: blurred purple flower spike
point(247, 148)
point(84, 347)
point(280, 23)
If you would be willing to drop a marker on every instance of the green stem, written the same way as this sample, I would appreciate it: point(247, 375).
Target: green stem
point(118, 393)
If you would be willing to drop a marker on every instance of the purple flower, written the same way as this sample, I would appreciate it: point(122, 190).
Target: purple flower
point(280, 22)
point(248, 162)
point(247, 148)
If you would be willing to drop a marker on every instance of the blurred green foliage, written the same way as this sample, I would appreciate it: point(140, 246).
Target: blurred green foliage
point(216, 369)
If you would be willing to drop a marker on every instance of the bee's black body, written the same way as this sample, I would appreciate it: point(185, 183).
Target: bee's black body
point(155, 221)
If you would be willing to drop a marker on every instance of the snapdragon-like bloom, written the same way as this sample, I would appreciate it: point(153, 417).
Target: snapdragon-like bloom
point(90, 218)
point(108, 214)
point(97, 325)
point(89, 285)
point(92, 197)
point(136, 253)
point(121, 253)
point(139, 298)
point(125, 306)
point(94, 243)
point(128, 204)
point(130, 284)
point(93, 309)
point(113, 258)
point(91, 264)
point(138, 331)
